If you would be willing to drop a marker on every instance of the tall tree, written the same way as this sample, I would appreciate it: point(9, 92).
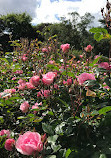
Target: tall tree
point(18, 24)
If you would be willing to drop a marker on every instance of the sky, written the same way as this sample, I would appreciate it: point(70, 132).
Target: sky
point(50, 11)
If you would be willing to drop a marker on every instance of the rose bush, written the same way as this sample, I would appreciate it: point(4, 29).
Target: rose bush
point(64, 98)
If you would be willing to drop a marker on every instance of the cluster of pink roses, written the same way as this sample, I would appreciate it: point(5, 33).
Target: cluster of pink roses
point(34, 81)
point(27, 144)
point(24, 107)
point(7, 93)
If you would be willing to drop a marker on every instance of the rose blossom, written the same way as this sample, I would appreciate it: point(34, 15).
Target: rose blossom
point(29, 143)
point(44, 50)
point(48, 78)
point(44, 93)
point(9, 143)
point(36, 106)
point(20, 81)
point(24, 107)
point(104, 65)
point(34, 80)
point(22, 86)
point(5, 132)
point(29, 85)
point(84, 77)
point(65, 47)
point(88, 48)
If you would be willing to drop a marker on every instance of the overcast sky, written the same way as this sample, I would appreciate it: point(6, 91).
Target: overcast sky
point(52, 10)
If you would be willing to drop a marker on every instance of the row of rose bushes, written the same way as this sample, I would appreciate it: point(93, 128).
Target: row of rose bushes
point(54, 91)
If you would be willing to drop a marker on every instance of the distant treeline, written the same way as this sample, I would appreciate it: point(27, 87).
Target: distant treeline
point(74, 31)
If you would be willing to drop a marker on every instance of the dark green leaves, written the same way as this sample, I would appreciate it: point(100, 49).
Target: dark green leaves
point(47, 128)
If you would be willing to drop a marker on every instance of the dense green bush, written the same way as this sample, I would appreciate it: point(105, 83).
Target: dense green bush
point(72, 96)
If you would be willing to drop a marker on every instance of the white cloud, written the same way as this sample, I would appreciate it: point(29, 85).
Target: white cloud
point(47, 10)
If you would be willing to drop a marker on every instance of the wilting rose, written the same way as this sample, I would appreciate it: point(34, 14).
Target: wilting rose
point(9, 143)
point(29, 143)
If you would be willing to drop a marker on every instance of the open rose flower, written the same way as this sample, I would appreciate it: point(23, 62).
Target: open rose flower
point(36, 106)
point(29, 143)
point(44, 50)
point(65, 47)
point(24, 107)
point(48, 78)
point(9, 143)
point(34, 80)
point(104, 65)
point(84, 77)
point(88, 48)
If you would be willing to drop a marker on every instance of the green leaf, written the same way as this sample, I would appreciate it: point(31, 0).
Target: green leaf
point(56, 147)
point(52, 139)
point(98, 36)
point(20, 117)
point(59, 129)
point(51, 156)
point(104, 110)
point(95, 61)
point(68, 153)
point(62, 102)
point(30, 115)
point(98, 30)
point(53, 67)
point(102, 156)
point(47, 128)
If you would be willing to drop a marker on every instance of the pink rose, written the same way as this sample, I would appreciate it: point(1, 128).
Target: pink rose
point(10, 91)
point(29, 85)
point(34, 80)
point(14, 78)
point(44, 93)
point(22, 86)
point(65, 47)
point(44, 50)
point(81, 56)
point(84, 77)
point(48, 78)
point(29, 143)
point(20, 81)
point(9, 143)
point(104, 65)
point(5, 132)
point(88, 48)
point(51, 62)
point(35, 107)
point(69, 82)
point(18, 72)
point(24, 107)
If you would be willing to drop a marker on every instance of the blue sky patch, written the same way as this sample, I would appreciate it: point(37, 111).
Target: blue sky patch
point(54, 1)
point(57, 17)
point(73, 0)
